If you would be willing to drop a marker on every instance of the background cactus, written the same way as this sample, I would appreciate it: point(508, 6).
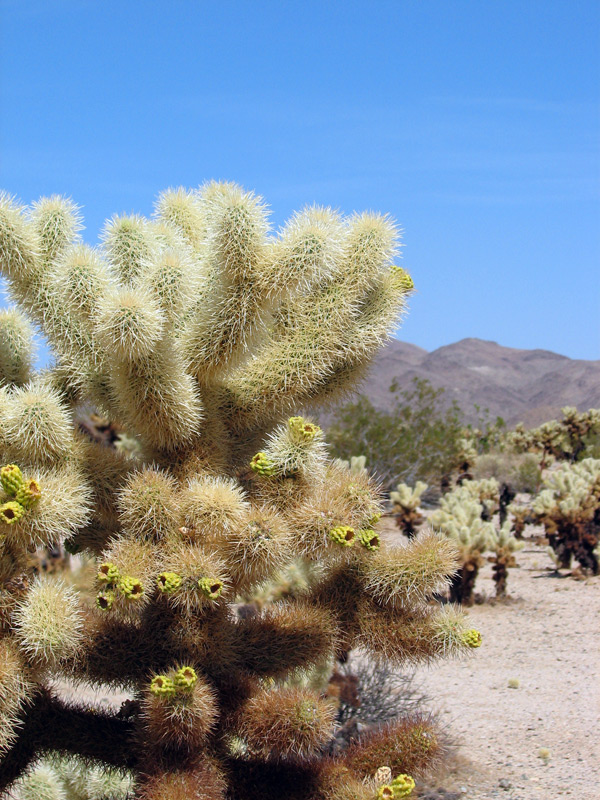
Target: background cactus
point(71, 778)
point(467, 516)
point(569, 508)
point(197, 333)
point(572, 438)
point(503, 544)
point(459, 518)
point(405, 508)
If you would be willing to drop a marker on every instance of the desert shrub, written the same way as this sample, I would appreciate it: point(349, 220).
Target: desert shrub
point(416, 440)
point(373, 693)
point(485, 435)
point(519, 471)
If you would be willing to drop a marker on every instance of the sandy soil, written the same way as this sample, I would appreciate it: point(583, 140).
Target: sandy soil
point(539, 740)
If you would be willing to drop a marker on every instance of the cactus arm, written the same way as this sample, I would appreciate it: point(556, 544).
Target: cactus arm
point(49, 725)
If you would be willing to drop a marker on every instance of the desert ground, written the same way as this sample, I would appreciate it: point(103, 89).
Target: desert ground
point(523, 711)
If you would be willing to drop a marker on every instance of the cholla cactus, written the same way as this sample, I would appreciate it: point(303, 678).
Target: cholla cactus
point(467, 451)
point(486, 492)
point(568, 439)
point(17, 348)
point(70, 778)
point(198, 333)
point(569, 508)
point(355, 464)
point(521, 516)
point(406, 507)
point(459, 518)
point(465, 516)
point(503, 544)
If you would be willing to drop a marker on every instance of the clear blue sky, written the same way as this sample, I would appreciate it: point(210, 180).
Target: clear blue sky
point(475, 123)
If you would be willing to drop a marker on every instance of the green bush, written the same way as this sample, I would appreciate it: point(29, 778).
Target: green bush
point(416, 440)
point(520, 471)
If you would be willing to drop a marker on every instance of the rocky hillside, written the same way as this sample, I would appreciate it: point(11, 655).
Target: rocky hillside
point(519, 385)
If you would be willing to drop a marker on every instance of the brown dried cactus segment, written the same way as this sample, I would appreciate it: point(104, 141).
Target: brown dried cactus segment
point(286, 723)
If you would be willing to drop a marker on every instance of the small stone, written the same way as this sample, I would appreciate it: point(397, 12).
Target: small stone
point(504, 783)
point(544, 754)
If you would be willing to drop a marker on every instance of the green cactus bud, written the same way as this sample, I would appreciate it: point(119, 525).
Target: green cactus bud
point(131, 587)
point(28, 493)
point(105, 600)
point(369, 539)
point(374, 520)
point(108, 572)
point(210, 587)
point(11, 512)
point(161, 686)
point(303, 430)
point(11, 478)
point(185, 678)
point(472, 638)
point(262, 465)
point(402, 785)
point(343, 535)
point(168, 582)
point(403, 278)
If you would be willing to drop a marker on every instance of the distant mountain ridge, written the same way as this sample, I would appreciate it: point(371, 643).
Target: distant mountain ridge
point(529, 386)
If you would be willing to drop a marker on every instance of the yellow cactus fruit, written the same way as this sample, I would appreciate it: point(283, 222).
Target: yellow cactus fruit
point(105, 600)
point(262, 465)
point(402, 785)
point(369, 539)
point(343, 535)
point(185, 678)
point(11, 478)
point(210, 587)
point(11, 512)
point(161, 686)
point(108, 572)
point(168, 582)
point(472, 638)
point(131, 587)
point(28, 493)
point(303, 430)
point(404, 279)
point(385, 792)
